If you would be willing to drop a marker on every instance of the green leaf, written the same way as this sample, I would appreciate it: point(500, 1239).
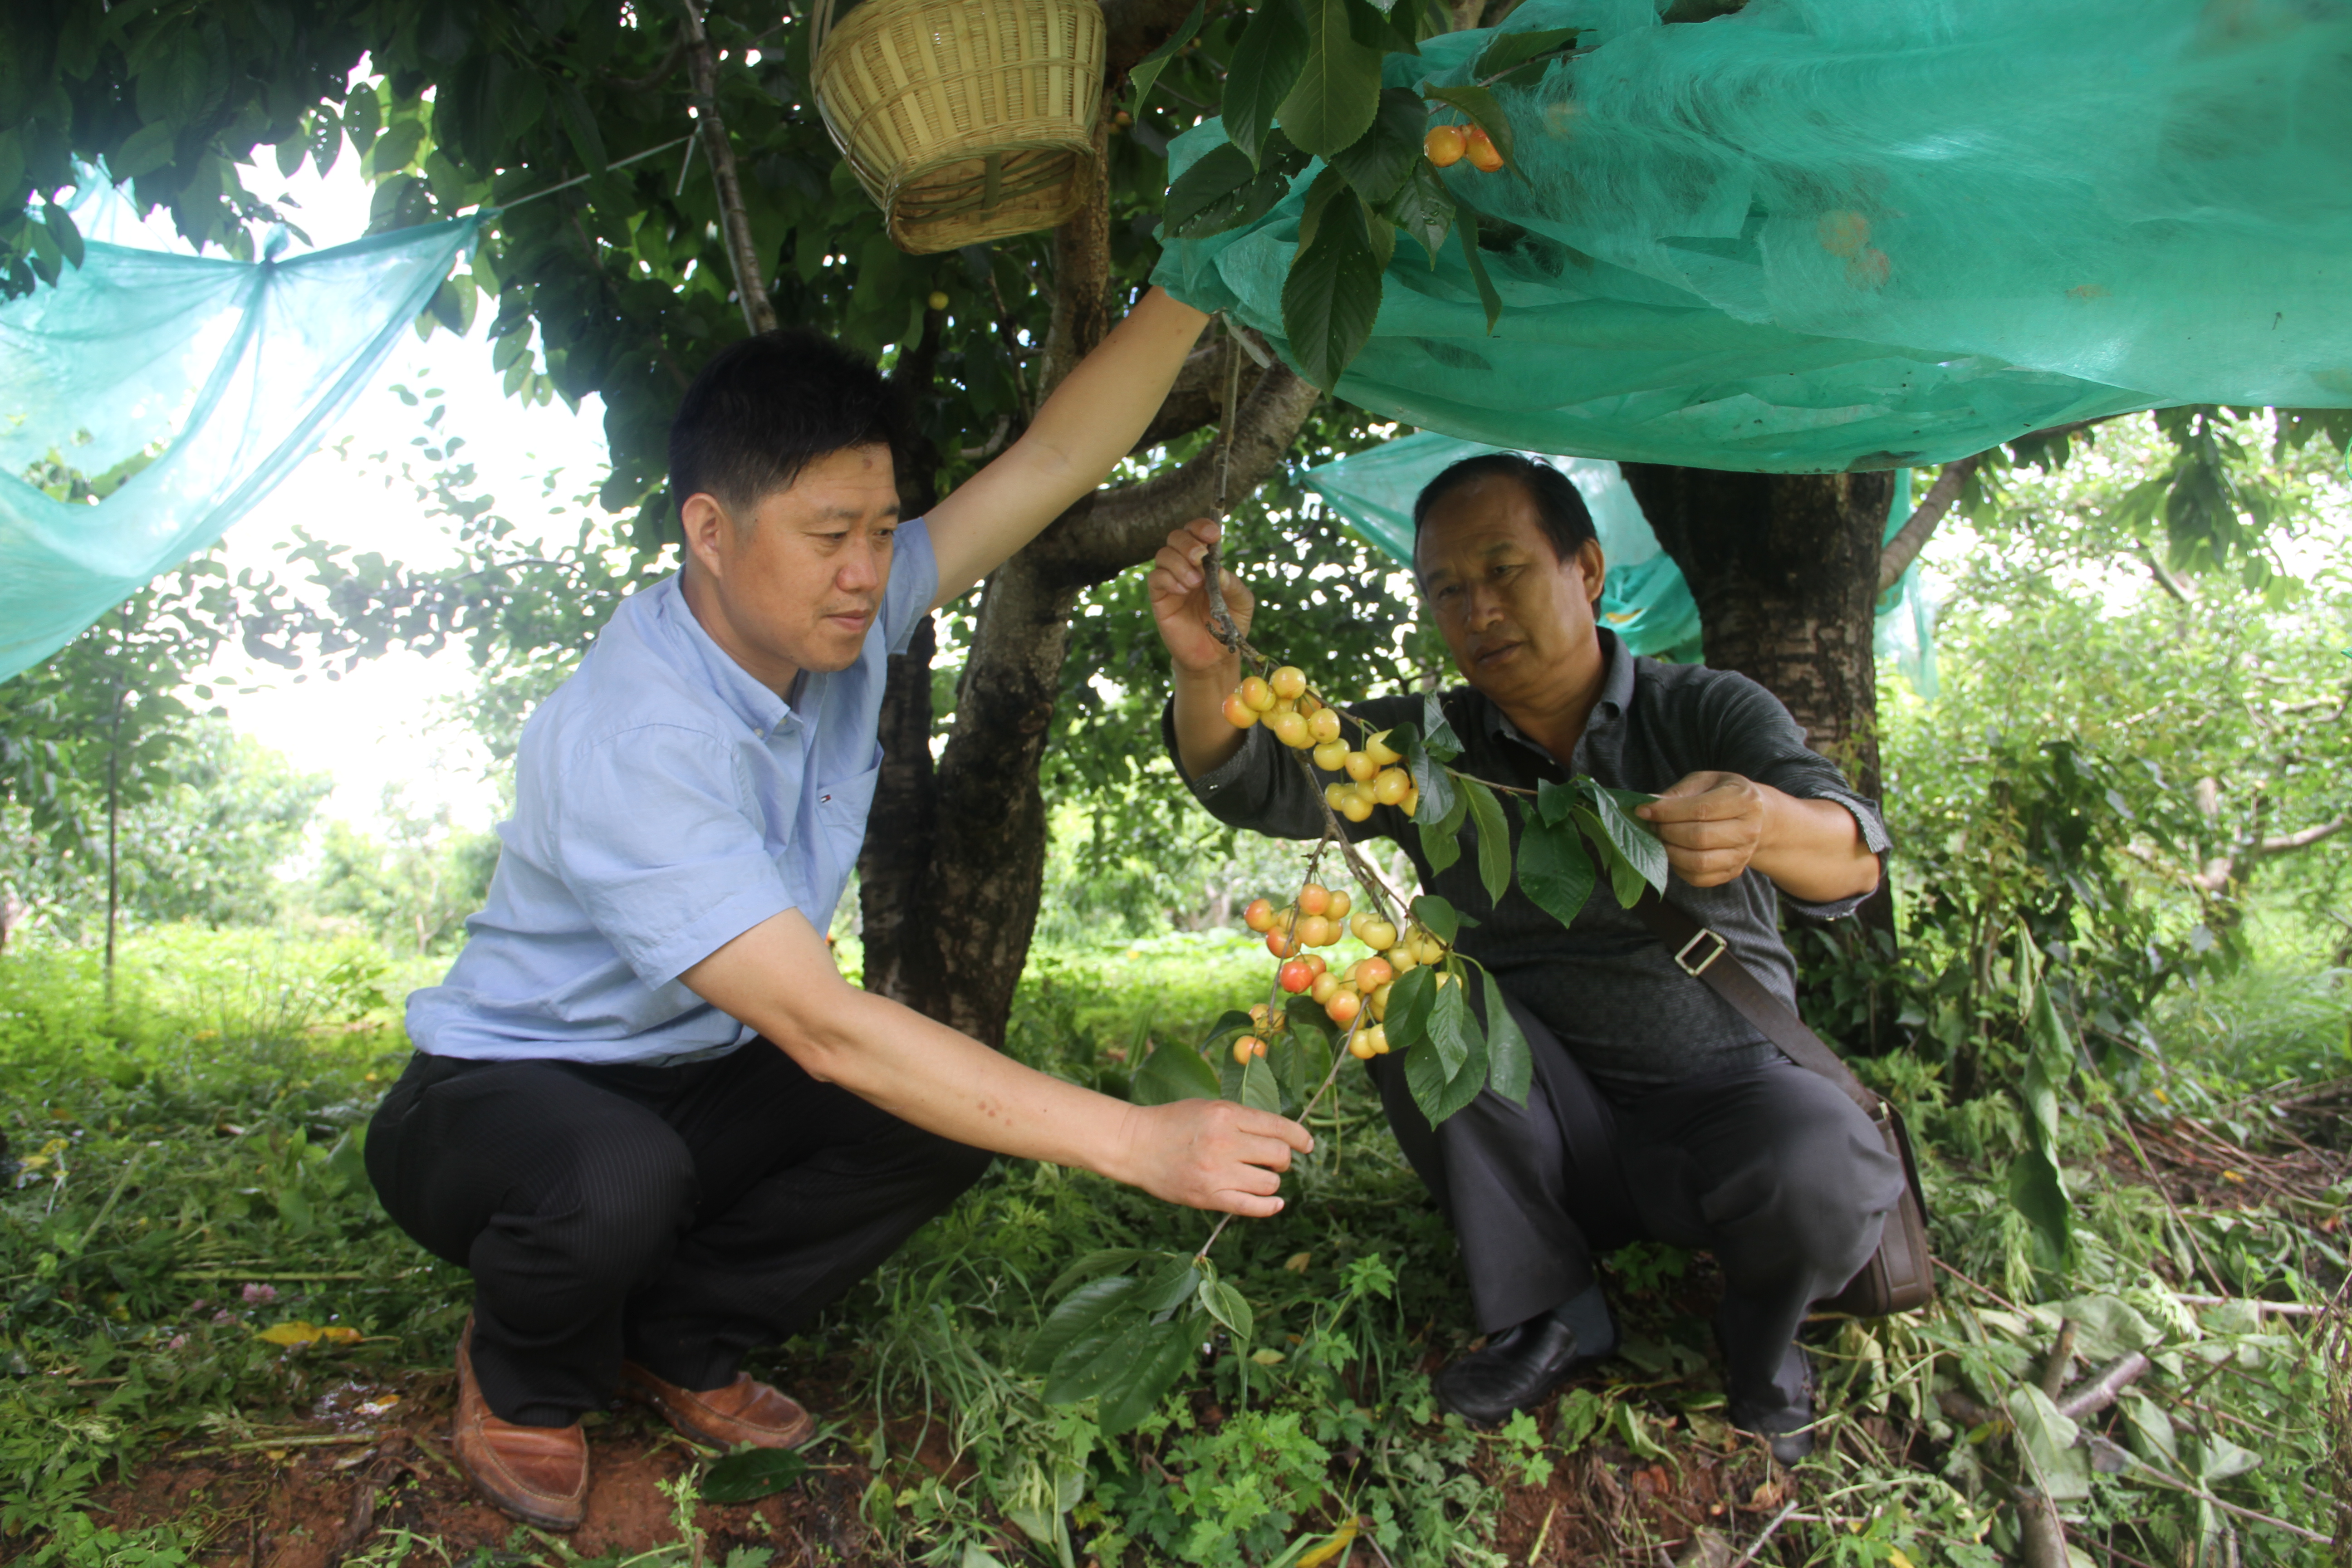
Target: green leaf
point(2036, 1192)
point(1174, 1071)
point(580, 127)
point(1259, 1091)
point(1267, 60)
point(1224, 190)
point(1339, 87)
point(1438, 1092)
point(1453, 1027)
point(1422, 207)
point(522, 104)
point(1409, 1006)
point(1101, 1261)
point(1510, 1065)
point(1439, 843)
point(1554, 870)
point(1088, 1317)
point(1493, 839)
point(1171, 1287)
point(752, 1474)
point(1332, 293)
point(1624, 876)
point(1465, 230)
point(1444, 921)
point(61, 227)
point(1404, 18)
point(1632, 839)
point(1511, 50)
point(1227, 1305)
point(152, 147)
point(2062, 1469)
point(1482, 109)
point(1155, 1360)
point(393, 150)
point(1435, 733)
point(1376, 162)
point(1146, 74)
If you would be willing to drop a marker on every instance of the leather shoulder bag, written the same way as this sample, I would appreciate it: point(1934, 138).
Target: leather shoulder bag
point(1900, 1276)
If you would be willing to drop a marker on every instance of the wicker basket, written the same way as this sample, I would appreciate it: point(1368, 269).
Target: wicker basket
point(966, 120)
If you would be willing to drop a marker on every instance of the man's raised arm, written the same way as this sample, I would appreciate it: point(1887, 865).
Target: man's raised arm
point(1094, 418)
point(779, 978)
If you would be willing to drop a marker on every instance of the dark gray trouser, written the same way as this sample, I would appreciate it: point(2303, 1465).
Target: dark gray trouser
point(1771, 1169)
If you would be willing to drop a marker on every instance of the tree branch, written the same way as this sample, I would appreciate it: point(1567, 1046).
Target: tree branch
point(734, 218)
point(1192, 403)
point(1114, 529)
point(1905, 547)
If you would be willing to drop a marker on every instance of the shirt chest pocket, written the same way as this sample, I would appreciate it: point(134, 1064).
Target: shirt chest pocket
point(841, 805)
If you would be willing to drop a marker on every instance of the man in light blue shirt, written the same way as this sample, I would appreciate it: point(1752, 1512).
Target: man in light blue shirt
point(647, 1111)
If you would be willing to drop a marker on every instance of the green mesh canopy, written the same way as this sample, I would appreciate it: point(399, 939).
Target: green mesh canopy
point(1826, 235)
point(1644, 599)
point(218, 374)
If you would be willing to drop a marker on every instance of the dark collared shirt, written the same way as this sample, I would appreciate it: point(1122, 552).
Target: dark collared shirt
point(1606, 986)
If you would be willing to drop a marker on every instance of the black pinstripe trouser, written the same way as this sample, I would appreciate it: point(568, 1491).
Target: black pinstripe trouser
point(673, 1215)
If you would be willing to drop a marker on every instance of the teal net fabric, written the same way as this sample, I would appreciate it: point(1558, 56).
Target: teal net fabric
point(1644, 599)
point(1826, 235)
point(223, 373)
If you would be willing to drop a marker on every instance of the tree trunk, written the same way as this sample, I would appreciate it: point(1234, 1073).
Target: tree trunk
point(1784, 568)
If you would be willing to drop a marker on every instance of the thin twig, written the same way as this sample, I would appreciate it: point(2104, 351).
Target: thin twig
point(1758, 1544)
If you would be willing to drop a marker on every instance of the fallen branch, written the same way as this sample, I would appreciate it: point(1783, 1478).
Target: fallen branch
point(2105, 1389)
point(1757, 1545)
point(2282, 1308)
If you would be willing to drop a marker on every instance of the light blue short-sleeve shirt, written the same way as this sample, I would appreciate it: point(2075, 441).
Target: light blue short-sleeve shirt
point(664, 804)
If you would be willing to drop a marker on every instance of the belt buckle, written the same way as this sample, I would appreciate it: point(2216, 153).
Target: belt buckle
point(1703, 933)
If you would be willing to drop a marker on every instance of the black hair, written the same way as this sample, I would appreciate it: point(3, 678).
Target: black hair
point(1567, 520)
point(765, 408)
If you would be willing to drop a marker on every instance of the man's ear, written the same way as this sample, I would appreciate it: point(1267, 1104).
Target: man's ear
point(1594, 564)
point(708, 530)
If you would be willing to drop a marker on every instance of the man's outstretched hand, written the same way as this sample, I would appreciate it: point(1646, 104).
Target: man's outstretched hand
point(1180, 600)
point(1211, 1155)
point(1716, 826)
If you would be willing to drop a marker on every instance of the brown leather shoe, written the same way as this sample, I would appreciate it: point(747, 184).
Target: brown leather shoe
point(742, 1412)
point(538, 1474)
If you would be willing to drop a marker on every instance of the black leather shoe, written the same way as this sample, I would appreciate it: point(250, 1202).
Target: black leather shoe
point(1788, 1427)
point(1513, 1370)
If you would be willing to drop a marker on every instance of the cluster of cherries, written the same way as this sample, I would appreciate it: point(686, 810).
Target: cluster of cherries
point(1449, 144)
point(1315, 922)
point(1298, 720)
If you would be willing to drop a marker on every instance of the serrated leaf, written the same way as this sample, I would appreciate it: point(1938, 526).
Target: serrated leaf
point(1174, 1071)
point(1435, 733)
point(1444, 921)
point(1156, 1363)
point(1466, 231)
point(1482, 109)
point(1409, 1005)
point(1171, 1287)
point(1555, 872)
point(1224, 190)
point(1266, 63)
point(1080, 1319)
point(1339, 86)
point(1510, 1065)
point(1494, 839)
point(1439, 843)
point(1453, 1027)
point(152, 145)
point(62, 228)
point(1100, 1261)
point(1421, 209)
point(396, 148)
point(1225, 1304)
point(752, 1474)
point(1624, 876)
point(1146, 74)
point(1632, 839)
point(1259, 1091)
point(1376, 162)
point(1511, 51)
point(1332, 294)
point(580, 127)
point(1438, 1092)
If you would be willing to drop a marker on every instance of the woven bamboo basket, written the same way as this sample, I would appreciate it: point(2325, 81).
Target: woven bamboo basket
point(966, 120)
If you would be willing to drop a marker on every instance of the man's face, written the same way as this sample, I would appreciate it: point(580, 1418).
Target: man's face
point(1519, 619)
point(798, 584)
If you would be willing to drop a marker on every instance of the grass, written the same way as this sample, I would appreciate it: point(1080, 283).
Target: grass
point(186, 1177)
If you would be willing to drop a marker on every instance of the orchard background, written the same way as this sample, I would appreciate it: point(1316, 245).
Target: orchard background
point(2127, 802)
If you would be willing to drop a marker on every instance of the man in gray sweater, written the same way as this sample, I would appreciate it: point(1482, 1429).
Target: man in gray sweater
point(1657, 1111)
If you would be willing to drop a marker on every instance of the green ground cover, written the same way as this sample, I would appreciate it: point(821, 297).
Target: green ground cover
point(185, 1194)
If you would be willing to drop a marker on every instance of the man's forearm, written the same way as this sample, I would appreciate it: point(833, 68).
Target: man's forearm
point(1813, 850)
point(1103, 407)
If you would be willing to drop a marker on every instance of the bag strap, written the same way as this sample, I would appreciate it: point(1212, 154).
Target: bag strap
point(1703, 953)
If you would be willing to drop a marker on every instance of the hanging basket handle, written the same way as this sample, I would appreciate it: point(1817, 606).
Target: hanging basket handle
point(819, 24)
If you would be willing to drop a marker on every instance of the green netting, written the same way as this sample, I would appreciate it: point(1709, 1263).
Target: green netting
point(1822, 234)
point(1644, 599)
point(216, 374)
